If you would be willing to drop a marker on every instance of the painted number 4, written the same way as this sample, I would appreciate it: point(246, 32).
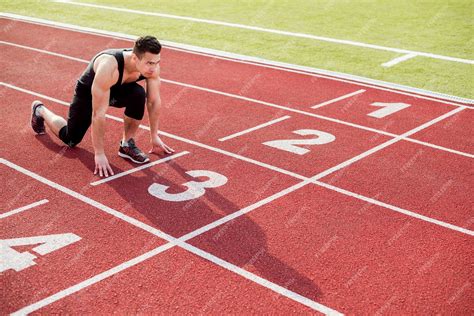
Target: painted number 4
point(12, 259)
point(194, 190)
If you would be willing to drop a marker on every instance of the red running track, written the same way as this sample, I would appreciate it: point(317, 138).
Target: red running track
point(299, 248)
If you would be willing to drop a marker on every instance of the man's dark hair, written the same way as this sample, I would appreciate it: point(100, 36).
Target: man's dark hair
point(146, 44)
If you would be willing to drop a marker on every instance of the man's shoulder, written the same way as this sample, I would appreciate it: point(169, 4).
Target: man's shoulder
point(106, 60)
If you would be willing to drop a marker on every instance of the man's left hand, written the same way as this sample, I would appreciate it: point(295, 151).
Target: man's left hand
point(157, 144)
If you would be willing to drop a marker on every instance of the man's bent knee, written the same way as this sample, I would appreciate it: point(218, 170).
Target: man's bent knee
point(135, 107)
point(69, 140)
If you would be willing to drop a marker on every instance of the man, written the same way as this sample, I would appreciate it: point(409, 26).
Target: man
point(111, 79)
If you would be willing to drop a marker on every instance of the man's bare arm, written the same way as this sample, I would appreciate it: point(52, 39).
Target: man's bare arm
point(153, 107)
point(153, 103)
point(105, 68)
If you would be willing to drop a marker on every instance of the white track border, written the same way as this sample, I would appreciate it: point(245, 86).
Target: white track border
point(248, 59)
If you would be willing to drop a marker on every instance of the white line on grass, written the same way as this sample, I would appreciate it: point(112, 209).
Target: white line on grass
point(317, 106)
point(296, 175)
point(398, 60)
point(273, 31)
point(23, 208)
point(255, 61)
point(148, 165)
point(254, 128)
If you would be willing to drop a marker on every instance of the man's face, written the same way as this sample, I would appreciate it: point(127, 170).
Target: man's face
point(149, 64)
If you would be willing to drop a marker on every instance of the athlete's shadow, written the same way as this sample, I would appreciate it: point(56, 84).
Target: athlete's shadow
point(241, 242)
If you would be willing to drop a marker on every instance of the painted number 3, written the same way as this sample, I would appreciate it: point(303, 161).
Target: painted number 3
point(195, 189)
point(290, 144)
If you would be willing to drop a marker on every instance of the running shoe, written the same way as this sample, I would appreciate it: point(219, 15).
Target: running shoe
point(37, 122)
point(132, 152)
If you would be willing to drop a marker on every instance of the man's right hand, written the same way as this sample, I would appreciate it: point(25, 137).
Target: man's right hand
point(102, 165)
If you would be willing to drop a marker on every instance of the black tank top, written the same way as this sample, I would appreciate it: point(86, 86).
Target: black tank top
point(84, 83)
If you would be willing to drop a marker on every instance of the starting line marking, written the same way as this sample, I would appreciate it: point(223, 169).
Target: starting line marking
point(317, 106)
point(23, 208)
point(254, 128)
point(148, 165)
point(263, 103)
point(286, 172)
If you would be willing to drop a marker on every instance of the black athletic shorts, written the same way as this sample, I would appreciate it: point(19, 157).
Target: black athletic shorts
point(130, 96)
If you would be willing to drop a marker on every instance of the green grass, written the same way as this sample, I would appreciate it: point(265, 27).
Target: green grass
point(439, 27)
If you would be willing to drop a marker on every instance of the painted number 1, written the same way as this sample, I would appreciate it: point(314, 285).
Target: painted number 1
point(195, 189)
point(387, 109)
point(290, 144)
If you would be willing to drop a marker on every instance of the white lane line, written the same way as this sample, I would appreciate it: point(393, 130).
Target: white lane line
point(323, 117)
point(386, 144)
point(398, 60)
point(148, 165)
point(396, 208)
point(281, 107)
point(254, 128)
point(88, 201)
point(272, 31)
point(45, 52)
point(93, 280)
point(185, 140)
point(263, 282)
point(453, 151)
point(245, 210)
point(293, 174)
point(258, 62)
point(23, 208)
point(172, 242)
point(317, 106)
point(235, 96)
point(276, 106)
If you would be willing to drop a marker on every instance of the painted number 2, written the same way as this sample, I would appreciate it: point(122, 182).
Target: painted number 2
point(12, 259)
point(195, 189)
point(290, 144)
